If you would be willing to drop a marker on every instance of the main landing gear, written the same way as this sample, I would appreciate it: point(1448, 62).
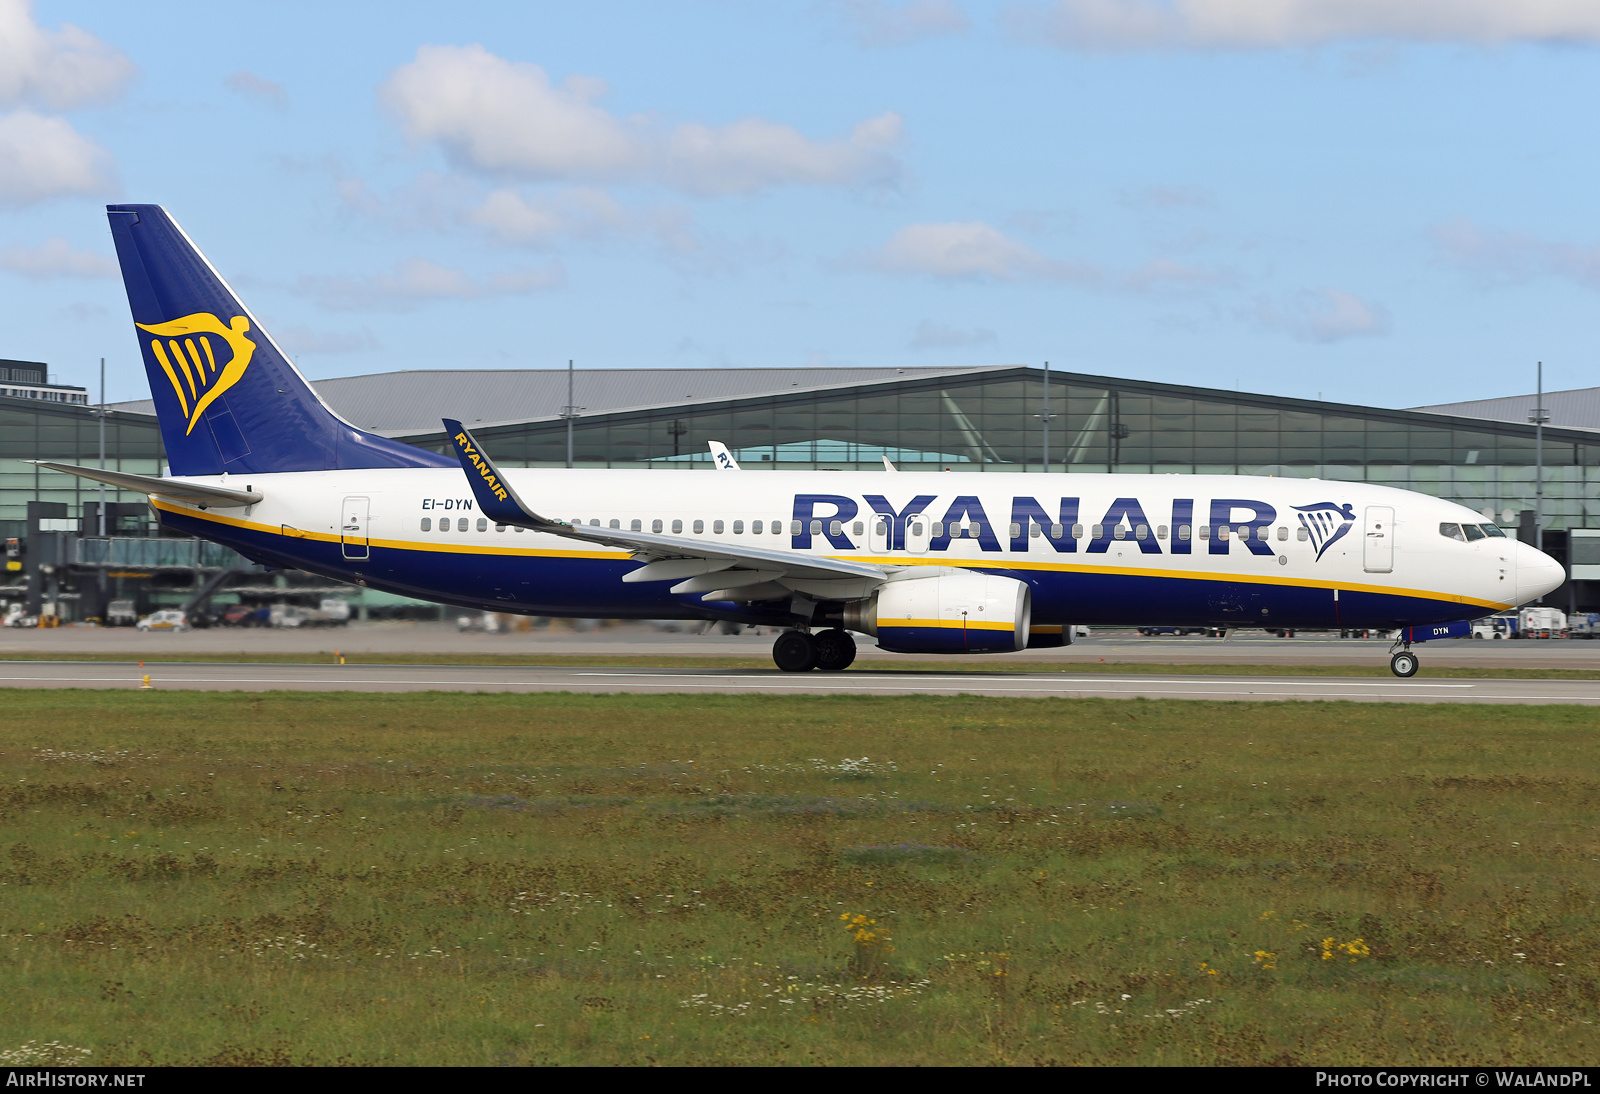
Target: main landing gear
point(802, 651)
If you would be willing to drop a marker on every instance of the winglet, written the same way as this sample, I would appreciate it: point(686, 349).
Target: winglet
point(496, 499)
point(722, 458)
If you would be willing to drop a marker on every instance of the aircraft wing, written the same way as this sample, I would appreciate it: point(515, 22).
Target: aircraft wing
point(722, 571)
point(191, 492)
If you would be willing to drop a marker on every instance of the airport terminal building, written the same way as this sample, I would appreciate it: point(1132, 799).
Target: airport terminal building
point(987, 418)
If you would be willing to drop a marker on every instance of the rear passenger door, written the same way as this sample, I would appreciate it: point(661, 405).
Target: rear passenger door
point(353, 527)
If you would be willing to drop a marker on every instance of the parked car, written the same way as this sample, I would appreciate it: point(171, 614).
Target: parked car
point(1494, 627)
point(168, 619)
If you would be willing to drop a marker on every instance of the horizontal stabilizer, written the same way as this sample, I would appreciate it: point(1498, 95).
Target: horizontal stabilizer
point(192, 493)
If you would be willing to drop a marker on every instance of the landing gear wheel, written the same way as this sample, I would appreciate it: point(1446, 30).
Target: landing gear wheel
point(1404, 664)
point(835, 651)
point(795, 651)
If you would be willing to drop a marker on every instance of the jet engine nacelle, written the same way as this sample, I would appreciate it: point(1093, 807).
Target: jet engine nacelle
point(952, 612)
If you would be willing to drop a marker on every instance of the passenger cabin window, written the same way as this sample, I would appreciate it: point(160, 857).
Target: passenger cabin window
point(617, 524)
point(1301, 534)
point(699, 527)
point(1184, 532)
point(499, 527)
point(461, 525)
point(1452, 531)
point(1077, 531)
point(857, 528)
point(1205, 531)
point(1057, 531)
point(738, 527)
point(716, 528)
point(677, 527)
point(937, 529)
point(1161, 531)
point(755, 528)
point(835, 527)
point(483, 524)
point(1142, 532)
point(636, 525)
point(1283, 533)
point(427, 524)
point(655, 526)
point(816, 527)
point(1098, 532)
point(794, 528)
point(777, 527)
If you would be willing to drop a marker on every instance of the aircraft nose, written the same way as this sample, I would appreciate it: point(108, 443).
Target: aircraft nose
point(1537, 573)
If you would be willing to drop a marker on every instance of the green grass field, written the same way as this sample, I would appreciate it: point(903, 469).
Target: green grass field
point(504, 879)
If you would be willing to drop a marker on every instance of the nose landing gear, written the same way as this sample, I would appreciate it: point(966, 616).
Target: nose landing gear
point(801, 651)
point(1404, 664)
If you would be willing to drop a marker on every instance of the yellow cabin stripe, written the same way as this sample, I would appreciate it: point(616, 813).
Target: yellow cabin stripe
point(999, 563)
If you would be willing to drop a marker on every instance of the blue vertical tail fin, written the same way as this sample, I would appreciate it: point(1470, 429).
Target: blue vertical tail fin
point(227, 398)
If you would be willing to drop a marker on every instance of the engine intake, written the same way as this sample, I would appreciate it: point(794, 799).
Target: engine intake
point(954, 612)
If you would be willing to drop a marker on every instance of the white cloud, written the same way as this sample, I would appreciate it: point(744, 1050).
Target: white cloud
point(297, 341)
point(55, 257)
point(879, 23)
point(1160, 273)
point(249, 84)
point(1324, 315)
point(931, 335)
point(417, 281)
point(1510, 256)
point(968, 249)
point(59, 69)
point(514, 218)
point(43, 157)
point(1264, 24)
point(1166, 197)
point(507, 118)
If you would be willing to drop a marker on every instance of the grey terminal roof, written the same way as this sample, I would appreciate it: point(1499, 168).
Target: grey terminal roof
point(411, 402)
point(1578, 408)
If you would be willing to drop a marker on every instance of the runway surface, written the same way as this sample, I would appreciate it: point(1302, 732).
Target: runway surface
point(212, 676)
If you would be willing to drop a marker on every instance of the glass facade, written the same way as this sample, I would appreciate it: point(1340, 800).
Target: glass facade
point(30, 430)
point(986, 420)
point(991, 421)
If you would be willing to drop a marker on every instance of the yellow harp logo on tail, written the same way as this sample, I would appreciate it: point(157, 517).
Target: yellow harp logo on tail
point(183, 348)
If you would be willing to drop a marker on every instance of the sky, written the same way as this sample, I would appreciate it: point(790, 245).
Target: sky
point(1385, 202)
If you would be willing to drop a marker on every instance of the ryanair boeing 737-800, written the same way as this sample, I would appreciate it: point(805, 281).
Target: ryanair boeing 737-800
point(947, 563)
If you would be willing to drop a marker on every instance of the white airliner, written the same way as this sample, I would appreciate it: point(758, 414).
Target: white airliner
point(941, 563)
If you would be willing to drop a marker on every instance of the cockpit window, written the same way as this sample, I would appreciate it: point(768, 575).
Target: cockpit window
point(1473, 532)
point(1492, 530)
point(1452, 531)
